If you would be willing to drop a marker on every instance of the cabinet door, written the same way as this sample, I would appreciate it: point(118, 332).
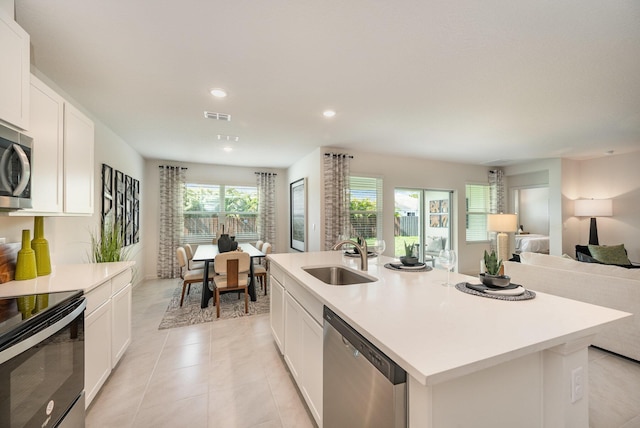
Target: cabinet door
point(14, 73)
point(47, 109)
point(293, 336)
point(97, 350)
point(312, 342)
point(277, 312)
point(121, 324)
point(78, 161)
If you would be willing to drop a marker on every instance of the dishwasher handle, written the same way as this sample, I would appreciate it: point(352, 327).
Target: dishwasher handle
point(363, 348)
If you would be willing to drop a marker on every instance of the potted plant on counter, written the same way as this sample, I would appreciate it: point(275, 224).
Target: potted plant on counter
point(409, 259)
point(492, 276)
point(108, 245)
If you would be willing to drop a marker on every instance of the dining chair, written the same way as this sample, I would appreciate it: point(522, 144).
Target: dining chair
point(260, 271)
point(232, 274)
point(188, 276)
point(190, 262)
point(259, 245)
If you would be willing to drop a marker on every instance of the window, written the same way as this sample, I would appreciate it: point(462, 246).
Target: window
point(208, 207)
point(366, 206)
point(477, 210)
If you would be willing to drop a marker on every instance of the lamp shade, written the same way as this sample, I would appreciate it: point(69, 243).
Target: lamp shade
point(593, 207)
point(502, 222)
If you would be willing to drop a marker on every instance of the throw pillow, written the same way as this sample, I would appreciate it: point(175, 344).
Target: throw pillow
point(434, 243)
point(610, 254)
point(587, 259)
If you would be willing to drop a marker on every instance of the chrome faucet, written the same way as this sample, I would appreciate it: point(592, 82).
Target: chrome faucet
point(364, 251)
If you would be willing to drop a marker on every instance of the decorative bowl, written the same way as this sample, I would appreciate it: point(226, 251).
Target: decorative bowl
point(409, 261)
point(495, 280)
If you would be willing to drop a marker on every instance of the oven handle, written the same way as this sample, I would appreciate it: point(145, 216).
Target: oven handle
point(42, 335)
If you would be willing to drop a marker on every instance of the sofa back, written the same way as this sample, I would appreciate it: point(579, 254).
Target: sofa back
point(565, 263)
point(568, 278)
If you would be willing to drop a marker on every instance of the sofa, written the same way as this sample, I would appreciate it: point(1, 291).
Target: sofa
point(600, 284)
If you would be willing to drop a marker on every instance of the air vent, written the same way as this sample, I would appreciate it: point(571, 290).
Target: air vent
point(232, 138)
point(217, 116)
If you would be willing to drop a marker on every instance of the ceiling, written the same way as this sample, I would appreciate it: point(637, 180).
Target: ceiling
point(492, 82)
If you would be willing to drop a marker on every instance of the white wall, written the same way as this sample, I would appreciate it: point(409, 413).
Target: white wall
point(614, 177)
point(8, 7)
point(206, 174)
point(310, 167)
point(70, 237)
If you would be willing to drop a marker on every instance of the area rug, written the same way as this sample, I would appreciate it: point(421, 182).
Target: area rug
point(191, 313)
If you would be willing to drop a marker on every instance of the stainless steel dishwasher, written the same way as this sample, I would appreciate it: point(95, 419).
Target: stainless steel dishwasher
point(362, 387)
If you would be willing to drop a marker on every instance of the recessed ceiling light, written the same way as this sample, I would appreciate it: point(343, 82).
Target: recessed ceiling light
point(328, 113)
point(218, 93)
point(228, 149)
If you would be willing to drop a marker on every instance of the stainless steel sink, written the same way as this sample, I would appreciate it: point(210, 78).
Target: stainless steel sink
point(338, 275)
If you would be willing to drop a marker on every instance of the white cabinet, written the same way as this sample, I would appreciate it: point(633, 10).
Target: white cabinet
point(78, 161)
point(293, 333)
point(97, 349)
point(276, 302)
point(296, 325)
point(107, 330)
point(47, 115)
point(14, 73)
point(120, 324)
point(63, 155)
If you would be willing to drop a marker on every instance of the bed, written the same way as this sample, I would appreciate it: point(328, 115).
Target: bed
point(532, 243)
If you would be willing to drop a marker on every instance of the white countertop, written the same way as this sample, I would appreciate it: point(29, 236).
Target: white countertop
point(437, 333)
point(83, 277)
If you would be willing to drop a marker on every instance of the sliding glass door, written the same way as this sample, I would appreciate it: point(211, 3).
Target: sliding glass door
point(422, 222)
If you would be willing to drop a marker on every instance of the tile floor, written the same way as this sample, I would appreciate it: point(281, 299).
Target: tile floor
point(229, 374)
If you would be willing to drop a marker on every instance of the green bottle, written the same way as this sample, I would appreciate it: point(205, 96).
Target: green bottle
point(41, 247)
point(26, 263)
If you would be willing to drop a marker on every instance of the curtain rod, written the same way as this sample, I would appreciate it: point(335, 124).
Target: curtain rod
point(270, 173)
point(339, 154)
point(172, 167)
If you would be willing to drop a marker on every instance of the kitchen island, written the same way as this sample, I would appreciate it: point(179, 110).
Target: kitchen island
point(470, 361)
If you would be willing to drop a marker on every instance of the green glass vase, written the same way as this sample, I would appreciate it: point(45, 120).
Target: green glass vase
point(26, 263)
point(41, 247)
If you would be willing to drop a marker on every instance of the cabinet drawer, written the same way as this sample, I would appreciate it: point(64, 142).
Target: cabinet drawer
point(120, 281)
point(312, 305)
point(276, 272)
point(98, 296)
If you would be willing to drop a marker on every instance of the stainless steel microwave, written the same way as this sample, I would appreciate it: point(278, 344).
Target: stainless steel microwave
point(15, 169)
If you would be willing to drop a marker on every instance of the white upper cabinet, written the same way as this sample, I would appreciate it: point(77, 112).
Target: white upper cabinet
point(14, 73)
point(78, 161)
point(47, 116)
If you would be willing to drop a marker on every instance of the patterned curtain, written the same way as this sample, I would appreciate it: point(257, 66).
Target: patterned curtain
point(267, 207)
point(336, 194)
point(172, 182)
point(497, 203)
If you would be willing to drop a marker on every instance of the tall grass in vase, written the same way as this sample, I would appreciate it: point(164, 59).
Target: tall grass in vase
point(108, 245)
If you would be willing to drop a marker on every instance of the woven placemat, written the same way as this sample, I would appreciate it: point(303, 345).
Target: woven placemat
point(393, 266)
point(527, 295)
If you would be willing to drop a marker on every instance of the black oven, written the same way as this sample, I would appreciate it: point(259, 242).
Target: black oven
point(42, 360)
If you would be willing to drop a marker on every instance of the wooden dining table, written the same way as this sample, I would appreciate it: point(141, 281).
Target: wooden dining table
point(207, 253)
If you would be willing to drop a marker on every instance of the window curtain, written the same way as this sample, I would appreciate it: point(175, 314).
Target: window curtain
point(336, 197)
point(267, 207)
point(172, 183)
point(497, 202)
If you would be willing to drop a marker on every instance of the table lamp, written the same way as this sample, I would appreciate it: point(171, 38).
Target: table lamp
point(593, 208)
point(503, 224)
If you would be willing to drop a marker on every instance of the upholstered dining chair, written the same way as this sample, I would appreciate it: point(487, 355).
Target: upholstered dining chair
point(188, 276)
point(260, 271)
point(232, 274)
point(259, 245)
point(190, 262)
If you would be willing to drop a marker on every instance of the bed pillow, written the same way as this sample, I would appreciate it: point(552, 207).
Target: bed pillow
point(610, 254)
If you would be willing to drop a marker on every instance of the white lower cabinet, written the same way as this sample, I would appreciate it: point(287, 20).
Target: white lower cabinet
point(107, 330)
point(120, 323)
point(277, 312)
point(97, 350)
point(296, 324)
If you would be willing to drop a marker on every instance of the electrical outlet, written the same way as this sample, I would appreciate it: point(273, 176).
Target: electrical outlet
point(577, 384)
